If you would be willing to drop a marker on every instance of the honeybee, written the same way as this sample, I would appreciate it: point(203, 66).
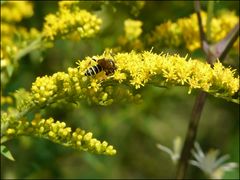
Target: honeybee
point(106, 65)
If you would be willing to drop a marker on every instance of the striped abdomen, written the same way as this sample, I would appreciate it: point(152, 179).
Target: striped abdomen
point(93, 70)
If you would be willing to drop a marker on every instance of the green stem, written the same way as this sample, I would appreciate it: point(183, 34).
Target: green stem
point(210, 7)
point(34, 45)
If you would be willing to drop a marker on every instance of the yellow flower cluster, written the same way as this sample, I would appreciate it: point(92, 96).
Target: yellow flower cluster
point(70, 22)
point(6, 100)
point(186, 32)
point(15, 11)
point(134, 70)
point(74, 86)
point(59, 133)
point(132, 28)
point(167, 34)
point(12, 12)
point(14, 37)
point(130, 40)
point(147, 67)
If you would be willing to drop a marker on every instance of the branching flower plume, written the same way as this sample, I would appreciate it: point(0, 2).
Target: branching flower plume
point(117, 58)
point(135, 70)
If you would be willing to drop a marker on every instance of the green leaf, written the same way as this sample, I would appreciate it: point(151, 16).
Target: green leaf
point(10, 69)
point(5, 152)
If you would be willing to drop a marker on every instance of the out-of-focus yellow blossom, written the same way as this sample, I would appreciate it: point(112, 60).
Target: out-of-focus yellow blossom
point(15, 11)
point(130, 40)
point(16, 41)
point(132, 28)
point(126, 44)
point(58, 132)
point(134, 70)
point(185, 31)
point(222, 25)
point(167, 34)
point(14, 38)
point(70, 22)
point(6, 100)
point(191, 35)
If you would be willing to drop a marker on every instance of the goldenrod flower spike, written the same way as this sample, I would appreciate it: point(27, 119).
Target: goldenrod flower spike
point(134, 70)
point(142, 68)
point(58, 132)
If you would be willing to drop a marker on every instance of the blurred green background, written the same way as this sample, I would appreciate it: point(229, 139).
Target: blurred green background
point(133, 129)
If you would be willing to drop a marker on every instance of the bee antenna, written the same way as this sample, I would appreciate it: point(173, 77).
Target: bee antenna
point(112, 53)
point(93, 58)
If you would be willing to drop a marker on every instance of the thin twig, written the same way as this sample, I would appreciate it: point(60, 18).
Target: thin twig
point(228, 41)
point(209, 18)
point(198, 11)
point(203, 40)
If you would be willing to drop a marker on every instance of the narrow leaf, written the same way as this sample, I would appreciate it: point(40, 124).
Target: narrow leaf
point(5, 152)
